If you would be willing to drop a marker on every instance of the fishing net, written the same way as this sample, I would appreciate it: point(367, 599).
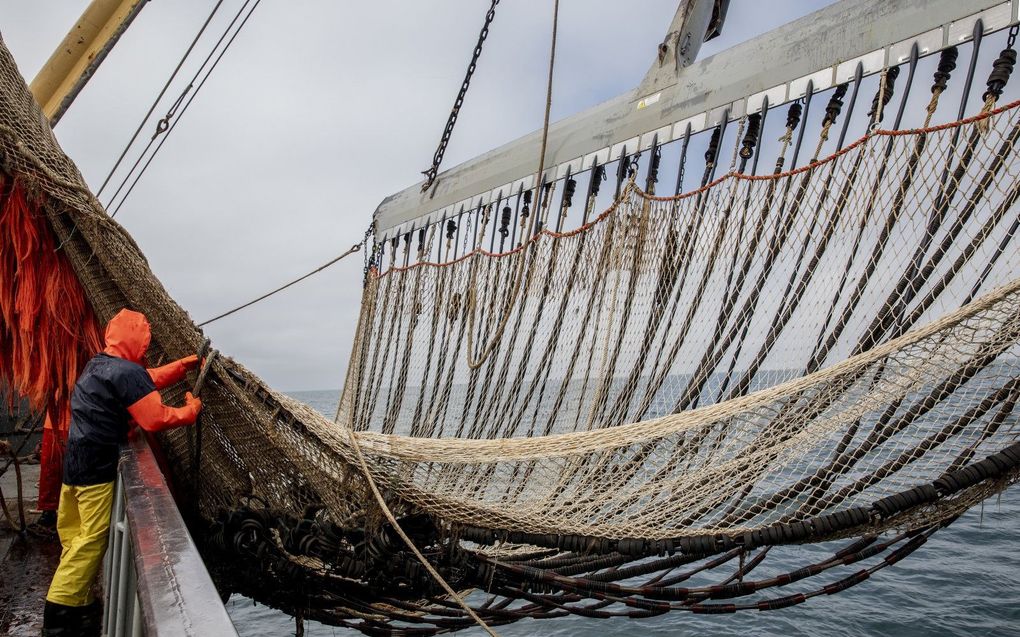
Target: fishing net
point(586, 421)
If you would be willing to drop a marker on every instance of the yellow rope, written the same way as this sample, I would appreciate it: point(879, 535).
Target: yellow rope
point(480, 360)
point(403, 536)
point(880, 104)
point(984, 125)
point(932, 106)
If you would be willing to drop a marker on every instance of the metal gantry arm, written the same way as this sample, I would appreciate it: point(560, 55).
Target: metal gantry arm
point(80, 53)
point(695, 22)
point(821, 49)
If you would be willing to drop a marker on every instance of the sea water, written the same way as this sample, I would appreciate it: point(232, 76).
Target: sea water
point(964, 581)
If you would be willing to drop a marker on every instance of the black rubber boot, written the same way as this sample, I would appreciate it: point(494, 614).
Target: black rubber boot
point(48, 519)
point(92, 619)
point(45, 527)
point(60, 620)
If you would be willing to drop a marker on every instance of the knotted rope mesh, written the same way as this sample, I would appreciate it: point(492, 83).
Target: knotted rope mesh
point(664, 304)
point(815, 354)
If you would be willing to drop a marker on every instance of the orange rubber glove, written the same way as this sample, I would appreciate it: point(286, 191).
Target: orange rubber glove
point(171, 373)
point(153, 416)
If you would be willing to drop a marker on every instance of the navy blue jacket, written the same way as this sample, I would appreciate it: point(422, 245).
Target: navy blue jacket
point(100, 419)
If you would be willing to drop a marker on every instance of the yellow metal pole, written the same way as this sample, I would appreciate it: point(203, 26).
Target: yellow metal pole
point(80, 54)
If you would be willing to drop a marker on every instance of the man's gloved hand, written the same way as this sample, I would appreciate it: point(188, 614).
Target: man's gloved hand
point(173, 372)
point(152, 415)
point(193, 403)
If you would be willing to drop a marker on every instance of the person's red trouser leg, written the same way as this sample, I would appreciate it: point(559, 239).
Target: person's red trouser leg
point(51, 469)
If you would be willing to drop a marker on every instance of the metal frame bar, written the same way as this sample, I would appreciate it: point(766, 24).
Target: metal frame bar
point(778, 65)
point(80, 53)
point(155, 580)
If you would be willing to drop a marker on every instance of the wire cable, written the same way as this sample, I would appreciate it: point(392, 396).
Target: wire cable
point(355, 248)
point(159, 97)
point(163, 129)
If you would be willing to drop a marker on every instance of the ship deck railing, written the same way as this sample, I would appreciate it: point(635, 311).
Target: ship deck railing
point(155, 581)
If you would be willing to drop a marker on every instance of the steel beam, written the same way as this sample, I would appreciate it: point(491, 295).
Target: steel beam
point(824, 47)
point(80, 53)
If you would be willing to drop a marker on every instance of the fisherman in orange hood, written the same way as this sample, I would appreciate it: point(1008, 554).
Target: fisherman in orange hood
point(114, 390)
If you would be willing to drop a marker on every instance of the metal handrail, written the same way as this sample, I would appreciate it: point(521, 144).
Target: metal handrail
point(155, 580)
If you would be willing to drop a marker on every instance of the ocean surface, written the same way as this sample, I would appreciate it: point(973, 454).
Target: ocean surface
point(964, 581)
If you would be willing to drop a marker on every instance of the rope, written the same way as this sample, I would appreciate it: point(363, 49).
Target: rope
point(548, 108)
point(476, 362)
point(355, 248)
point(21, 447)
point(403, 536)
point(480, 360)
point(21, 525)
point(933, 104)
point(880, 100)
point(983, 125)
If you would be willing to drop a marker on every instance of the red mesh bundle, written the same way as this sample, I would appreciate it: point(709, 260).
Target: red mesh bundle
point(47, 328)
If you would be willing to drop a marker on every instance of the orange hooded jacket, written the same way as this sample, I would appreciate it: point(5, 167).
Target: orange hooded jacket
point(113, 390)
point(128, 336)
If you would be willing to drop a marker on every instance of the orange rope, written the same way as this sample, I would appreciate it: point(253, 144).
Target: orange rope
point(730, 175)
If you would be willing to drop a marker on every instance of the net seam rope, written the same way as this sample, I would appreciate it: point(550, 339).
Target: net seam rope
point(353, 435)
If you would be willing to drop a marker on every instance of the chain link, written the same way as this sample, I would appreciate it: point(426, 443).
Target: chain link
point(370, 249)
point(433, 170)
point(1012, 36)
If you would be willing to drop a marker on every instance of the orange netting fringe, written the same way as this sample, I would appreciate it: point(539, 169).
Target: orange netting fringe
point(48, 331)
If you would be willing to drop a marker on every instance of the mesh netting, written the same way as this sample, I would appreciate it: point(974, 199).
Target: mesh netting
point(664, 304)
point(816, 354)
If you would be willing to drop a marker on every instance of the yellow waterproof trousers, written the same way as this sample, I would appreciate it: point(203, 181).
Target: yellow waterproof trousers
point(83, 524)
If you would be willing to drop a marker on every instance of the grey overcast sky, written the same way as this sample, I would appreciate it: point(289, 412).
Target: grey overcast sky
point(319, 110)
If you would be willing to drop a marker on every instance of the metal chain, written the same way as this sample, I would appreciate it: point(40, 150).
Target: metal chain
point(430, 174)
point(368, 241)
point(1012, 36)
